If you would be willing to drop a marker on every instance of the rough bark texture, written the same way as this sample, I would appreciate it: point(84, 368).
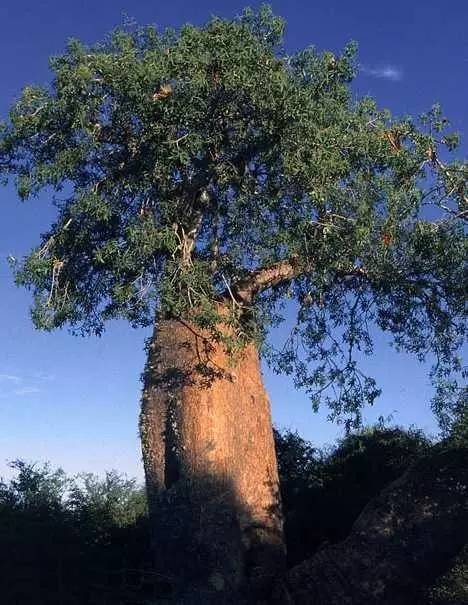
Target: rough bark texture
point(402, 541)
point(211, 471)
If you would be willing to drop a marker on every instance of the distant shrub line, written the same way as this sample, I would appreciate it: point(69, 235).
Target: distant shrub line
point(70, 541)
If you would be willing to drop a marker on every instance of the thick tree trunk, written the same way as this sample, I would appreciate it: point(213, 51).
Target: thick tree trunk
point(402, 541)
point(210, 467)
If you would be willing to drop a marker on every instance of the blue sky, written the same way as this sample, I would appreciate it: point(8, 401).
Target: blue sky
point(75, 401)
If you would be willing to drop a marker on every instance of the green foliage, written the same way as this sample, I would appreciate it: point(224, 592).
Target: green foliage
point(185, 161)
point(101, 505)
point(451, 404)
point(85, 539)
point(452, 587)
point(323, 492)
point(34, 488)
point(299, 464)
point(459, 429)
point(72, 540)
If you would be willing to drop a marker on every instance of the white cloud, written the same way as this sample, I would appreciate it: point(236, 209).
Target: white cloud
point(10, 378)
point(12, 385)
point(385, 72)
point(27, 391)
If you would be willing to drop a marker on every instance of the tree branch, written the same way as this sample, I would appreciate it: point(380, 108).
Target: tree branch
point(267, 277)
point(245, 290)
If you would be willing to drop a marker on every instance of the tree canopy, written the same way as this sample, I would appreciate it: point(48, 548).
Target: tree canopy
point(208, 165)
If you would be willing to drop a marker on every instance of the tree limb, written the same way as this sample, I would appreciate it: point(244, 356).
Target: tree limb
point(267, 277)
point(278, 273)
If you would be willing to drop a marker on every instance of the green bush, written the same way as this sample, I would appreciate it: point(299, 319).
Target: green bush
point(324, 491)
point(71, 540)
point(86, 539)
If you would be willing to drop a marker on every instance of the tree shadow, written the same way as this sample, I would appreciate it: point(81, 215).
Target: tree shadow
point(210, 548)
point(53, 554)
point(90, 549)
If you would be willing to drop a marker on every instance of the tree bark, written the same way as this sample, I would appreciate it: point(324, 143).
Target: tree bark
point(402, 541)
point(210, 468)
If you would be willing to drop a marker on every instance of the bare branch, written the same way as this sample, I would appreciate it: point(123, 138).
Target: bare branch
point(268, 277)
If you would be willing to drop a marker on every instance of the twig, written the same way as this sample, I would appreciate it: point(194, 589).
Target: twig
point(234, 301)
point(177, 141)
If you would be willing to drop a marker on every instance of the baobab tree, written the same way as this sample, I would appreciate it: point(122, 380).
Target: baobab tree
point(208, 182)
